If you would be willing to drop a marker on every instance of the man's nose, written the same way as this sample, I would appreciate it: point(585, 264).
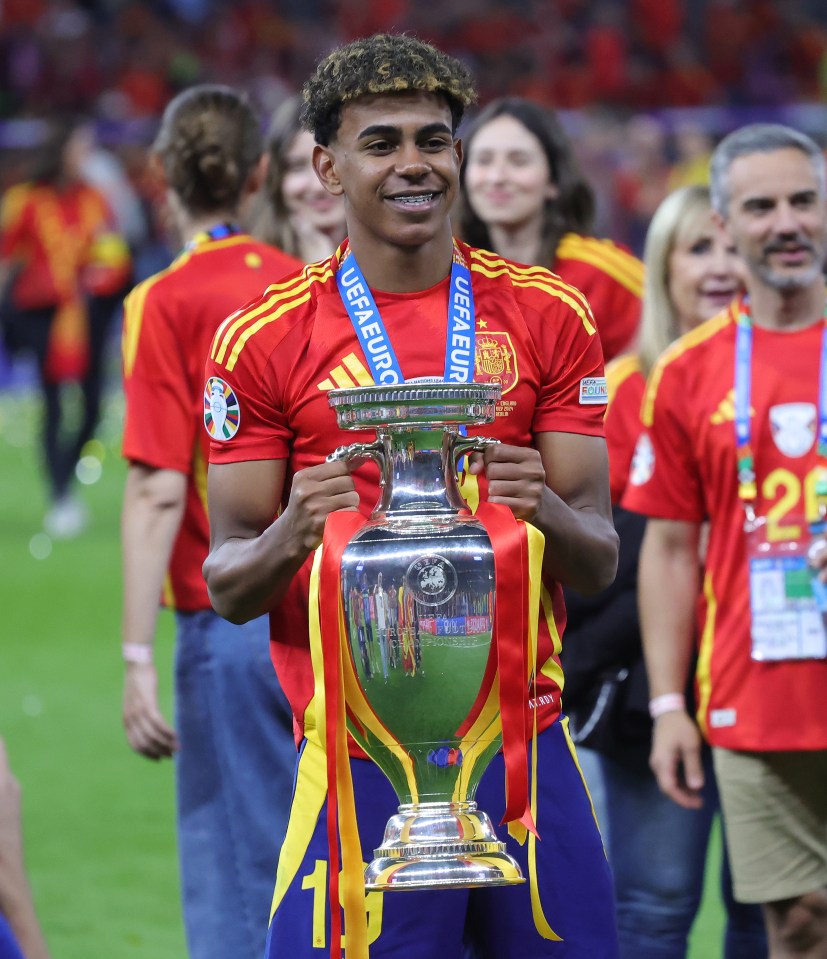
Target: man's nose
point(412, 162)
point(786, 219)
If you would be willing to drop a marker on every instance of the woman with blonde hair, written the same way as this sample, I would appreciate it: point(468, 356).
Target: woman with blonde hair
point(657, 849)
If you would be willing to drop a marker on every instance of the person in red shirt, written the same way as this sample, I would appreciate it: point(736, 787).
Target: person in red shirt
point(526, 199)
point(234, 741)
point(659, 868)
point(63, 262)
point(734, 418)
point(384, 112)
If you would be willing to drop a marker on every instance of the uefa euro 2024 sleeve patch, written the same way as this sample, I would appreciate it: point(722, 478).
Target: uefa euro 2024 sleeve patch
point(222, 413)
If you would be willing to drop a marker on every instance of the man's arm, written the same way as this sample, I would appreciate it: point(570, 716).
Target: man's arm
point(153, 506)
point(252, 557)
point(16, 903)
point(669, 580)
point(562, 488)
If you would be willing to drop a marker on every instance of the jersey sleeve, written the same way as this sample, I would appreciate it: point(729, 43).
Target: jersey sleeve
point(159, 428)
point(664, 480)
point(572, 396)
point(623, 426)
point(611, 277)
point(249, 383)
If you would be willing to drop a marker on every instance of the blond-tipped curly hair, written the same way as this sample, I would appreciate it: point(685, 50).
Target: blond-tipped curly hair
point(383, 63)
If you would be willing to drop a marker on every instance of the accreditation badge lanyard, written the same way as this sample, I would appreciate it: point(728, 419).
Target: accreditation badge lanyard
point(220, 232)
point(373, 336)
point(788, 602)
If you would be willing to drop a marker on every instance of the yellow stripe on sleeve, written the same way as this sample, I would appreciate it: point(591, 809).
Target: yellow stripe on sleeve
point(621, 266)
point(687, 342)
point(540, 280)
point(704, 668)
point(618, 371)
point(228, 329)
point(241, 342)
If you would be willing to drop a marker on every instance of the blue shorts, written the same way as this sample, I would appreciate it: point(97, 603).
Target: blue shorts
point(574, 879)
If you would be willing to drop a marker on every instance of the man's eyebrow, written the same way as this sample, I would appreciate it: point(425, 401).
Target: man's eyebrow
point(388, 130)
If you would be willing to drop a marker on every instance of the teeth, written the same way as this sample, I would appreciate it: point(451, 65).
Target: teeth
point(417, 200)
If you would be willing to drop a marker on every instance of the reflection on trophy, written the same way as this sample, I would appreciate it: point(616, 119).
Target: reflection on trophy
point(418, 596)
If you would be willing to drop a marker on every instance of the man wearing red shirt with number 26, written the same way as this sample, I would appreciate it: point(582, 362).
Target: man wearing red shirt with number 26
point(735, 430)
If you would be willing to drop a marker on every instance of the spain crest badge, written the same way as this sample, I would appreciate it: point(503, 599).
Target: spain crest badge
point(496, 360)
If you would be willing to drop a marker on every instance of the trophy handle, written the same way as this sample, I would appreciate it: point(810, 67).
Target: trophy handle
point(360, 451)
point(471, 444)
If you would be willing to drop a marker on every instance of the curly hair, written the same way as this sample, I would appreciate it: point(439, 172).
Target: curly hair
point(383, 63)
point(209, 142)
point(573, 209)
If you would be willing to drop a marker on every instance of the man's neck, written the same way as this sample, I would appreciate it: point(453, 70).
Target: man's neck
point(519, 243)
point(786, 309)
point(400, 269)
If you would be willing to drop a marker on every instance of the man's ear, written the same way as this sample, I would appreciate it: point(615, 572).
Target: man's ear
point(458, 151)
point(324, 165)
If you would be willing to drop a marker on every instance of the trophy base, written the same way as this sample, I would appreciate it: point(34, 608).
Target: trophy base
point(441, 845)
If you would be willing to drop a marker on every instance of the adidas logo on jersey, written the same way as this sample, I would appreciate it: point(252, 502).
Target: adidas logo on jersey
point(350, 372)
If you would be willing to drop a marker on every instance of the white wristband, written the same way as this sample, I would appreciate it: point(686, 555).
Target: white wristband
point(137, 653)
point(667, 703)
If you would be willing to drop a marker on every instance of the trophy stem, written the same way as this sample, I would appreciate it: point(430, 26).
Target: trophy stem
point(449, 845)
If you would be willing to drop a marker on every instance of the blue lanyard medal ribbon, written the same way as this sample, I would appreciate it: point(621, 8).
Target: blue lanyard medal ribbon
point(373, 336)
point(220, 232)
point(747, 486)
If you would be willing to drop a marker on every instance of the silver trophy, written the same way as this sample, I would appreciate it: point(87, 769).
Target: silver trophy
point(418, 594)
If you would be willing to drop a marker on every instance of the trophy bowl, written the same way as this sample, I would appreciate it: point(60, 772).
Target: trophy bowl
point(418, 592)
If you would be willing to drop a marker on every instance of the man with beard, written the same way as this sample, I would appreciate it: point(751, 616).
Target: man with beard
point(735, 419)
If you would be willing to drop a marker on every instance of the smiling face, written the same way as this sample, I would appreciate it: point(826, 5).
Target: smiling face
point(395, 161)
point(307, 202)
point(507, 175)
point(704, 271)
point(777, 217)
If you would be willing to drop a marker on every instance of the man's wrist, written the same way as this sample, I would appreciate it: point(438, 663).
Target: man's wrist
point(140, 653)
point(667, 703)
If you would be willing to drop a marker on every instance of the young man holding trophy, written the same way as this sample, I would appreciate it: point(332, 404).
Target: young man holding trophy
point(384, 112)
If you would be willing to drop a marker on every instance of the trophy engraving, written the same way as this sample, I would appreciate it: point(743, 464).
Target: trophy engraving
point(418, 593)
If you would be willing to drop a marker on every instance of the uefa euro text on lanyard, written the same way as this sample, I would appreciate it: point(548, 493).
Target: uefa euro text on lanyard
point(788, 602)
point(374, 339)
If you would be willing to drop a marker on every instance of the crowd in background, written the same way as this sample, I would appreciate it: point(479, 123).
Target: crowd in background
point(644, 87)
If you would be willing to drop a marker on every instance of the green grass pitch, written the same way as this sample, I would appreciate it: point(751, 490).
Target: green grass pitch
point(99, 827)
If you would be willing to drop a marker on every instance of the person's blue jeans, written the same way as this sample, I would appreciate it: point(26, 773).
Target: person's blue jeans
point(658, 851)
point(234, 779)
point(9, 948)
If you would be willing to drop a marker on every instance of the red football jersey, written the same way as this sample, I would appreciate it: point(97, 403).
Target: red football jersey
point(169, 322)
point(625, 384)
point(51, 234)
point(685, 469)
point(611, 279)
point(535, 335)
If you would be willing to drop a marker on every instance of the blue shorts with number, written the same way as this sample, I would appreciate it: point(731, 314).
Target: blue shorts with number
point(573, 875)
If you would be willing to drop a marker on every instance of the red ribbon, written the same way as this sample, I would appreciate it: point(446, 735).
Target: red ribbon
point(339, 529)
point(510, 637)
point(509, 542)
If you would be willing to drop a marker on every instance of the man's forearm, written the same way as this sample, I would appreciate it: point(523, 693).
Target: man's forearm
point(248, 577)
point(581, 545)
point(152, 511)
point(17, 905)
point(668, 589)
